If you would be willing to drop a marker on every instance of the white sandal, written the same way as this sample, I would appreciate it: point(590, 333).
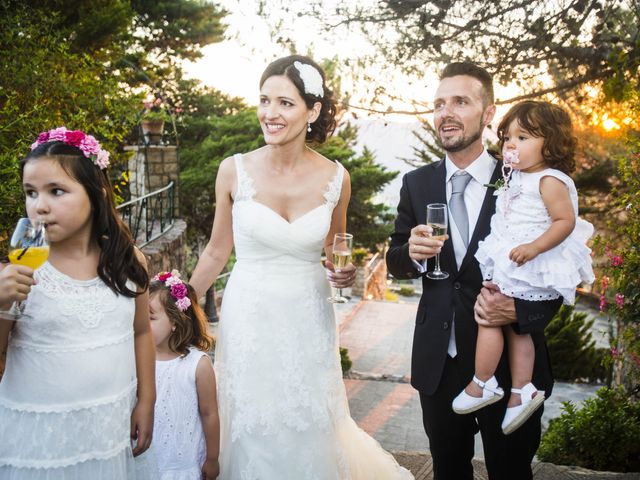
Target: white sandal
point(491, 393)
point(514, 417)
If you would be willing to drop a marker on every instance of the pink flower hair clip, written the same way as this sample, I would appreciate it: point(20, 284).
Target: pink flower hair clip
point(176, 287)
point(89, 146)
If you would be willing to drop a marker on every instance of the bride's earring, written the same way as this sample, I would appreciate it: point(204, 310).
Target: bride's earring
point(308, 126)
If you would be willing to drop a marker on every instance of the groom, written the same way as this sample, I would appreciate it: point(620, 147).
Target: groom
point(445, 332)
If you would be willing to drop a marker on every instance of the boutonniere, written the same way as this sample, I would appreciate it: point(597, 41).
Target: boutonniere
point(500, 186)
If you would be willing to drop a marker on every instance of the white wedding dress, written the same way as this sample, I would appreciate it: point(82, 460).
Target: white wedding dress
point(283, 407)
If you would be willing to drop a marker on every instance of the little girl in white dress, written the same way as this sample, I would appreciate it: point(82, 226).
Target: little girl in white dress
point(186, 435)
point(78, 384)
point(536, 249)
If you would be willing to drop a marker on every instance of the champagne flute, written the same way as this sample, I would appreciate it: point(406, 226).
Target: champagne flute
point(28, 247)
point(437, 220)
point(342, 246)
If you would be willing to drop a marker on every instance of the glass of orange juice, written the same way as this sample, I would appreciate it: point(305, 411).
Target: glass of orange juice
point(28, 247)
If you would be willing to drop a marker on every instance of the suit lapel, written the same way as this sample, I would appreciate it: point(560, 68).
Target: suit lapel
point(483, 225)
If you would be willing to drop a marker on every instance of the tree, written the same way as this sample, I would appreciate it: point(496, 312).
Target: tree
point(76, 63)
point(576, 42)
point(369, 221)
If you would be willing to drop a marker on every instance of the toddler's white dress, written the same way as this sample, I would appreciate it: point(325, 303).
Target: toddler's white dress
point(70, 383)
point(178, 439)
point(521, 217)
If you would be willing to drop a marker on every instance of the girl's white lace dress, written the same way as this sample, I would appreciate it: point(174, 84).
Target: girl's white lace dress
point(283, 405)
point(521, 217)
point(178, 438)
point(70, 384)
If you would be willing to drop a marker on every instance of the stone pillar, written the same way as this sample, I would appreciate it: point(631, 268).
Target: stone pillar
point(152, 167)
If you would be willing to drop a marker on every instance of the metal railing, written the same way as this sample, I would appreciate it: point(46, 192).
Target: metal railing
point(149, 216)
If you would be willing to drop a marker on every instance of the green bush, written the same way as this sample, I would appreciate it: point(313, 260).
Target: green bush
point(572, 348)
point(603, 435)
point(345, 361)
point(406, 291)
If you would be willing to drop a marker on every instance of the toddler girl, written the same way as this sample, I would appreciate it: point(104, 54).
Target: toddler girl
point(78, 383)
point(536, 249)
point(187, 428)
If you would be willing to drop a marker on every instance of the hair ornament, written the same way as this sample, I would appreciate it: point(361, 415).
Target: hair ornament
point(176, 287)
point(311, 78)
point(89, 146)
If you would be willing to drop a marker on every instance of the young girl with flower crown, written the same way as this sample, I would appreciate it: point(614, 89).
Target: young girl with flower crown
point(187, 428)
point(536, 249)
point(78, 387)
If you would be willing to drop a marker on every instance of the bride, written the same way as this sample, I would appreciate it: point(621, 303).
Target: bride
point(283, 406)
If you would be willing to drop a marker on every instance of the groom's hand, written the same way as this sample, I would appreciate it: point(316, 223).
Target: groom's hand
point(493, 308)
point(422, 245)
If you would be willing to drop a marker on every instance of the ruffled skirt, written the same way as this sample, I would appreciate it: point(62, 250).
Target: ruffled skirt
point(552, 274)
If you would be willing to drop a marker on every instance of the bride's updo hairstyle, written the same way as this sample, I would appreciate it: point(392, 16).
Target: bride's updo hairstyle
point(309, 79)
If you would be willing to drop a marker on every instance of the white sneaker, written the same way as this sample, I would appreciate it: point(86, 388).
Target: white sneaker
point(514, 417)
point(491, 393)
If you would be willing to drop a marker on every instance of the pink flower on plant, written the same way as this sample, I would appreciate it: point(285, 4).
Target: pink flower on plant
point(57, 134)
point(603, 303)
point(616, 260)
point(74, 137)
point(619, 300)
point(614, 352)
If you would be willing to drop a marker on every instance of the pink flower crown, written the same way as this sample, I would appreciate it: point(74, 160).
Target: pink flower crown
point(176, 287)
point(76, 138)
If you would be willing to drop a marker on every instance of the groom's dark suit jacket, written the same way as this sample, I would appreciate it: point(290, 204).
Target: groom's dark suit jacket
point(441, 298)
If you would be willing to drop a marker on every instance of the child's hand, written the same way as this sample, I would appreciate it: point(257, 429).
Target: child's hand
point(141, 427)
point(15, 283)
point(210, 469)
point(523, 253)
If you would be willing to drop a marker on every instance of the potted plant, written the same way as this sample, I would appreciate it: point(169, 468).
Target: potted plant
point(152, 120)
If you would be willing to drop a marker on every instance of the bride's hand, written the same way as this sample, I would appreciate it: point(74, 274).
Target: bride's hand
point(342, 278)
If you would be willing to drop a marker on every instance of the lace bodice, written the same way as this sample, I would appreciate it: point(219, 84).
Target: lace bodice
point(261, 233)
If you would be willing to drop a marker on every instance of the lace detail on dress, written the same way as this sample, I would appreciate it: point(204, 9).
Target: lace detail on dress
point(332, 195)
point(84, 300)
point(245, 189)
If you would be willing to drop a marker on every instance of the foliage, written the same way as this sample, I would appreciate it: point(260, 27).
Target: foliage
point(574, 41)
point(229, 134)
point(370, 222)
point(572, 348)
point(620, 283)
point(47, 83)
point(76, 63)
point(358, 256)
point(345, 361)
point(602, 435)
point(407, 291)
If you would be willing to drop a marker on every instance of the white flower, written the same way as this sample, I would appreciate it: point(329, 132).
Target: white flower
point(311, 79)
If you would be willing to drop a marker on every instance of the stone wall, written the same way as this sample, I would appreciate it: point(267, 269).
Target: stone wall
point(168, 252)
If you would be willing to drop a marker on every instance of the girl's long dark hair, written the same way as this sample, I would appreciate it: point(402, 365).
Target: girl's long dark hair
point(118, 262)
